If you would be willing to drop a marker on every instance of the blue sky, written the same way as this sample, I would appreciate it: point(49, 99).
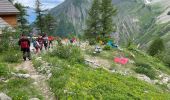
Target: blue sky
point(46, 4)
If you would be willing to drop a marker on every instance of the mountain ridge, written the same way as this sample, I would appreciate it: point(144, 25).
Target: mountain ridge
point(134, 19)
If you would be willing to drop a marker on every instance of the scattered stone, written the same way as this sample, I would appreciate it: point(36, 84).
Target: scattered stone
point(4, 97)
point(155, 81)
point(35, 83)
point(48, 71)
point(21, 75)
point(49, 76)
point(39, 58)
point(34, 99)
point(144, 78)
point(161, 75)
point(2, 79)
point(131, 61)
point(165, 80)
point(146, 92)
point(168, 86)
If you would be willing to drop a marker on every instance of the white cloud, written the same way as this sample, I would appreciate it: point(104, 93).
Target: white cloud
point(47, 4)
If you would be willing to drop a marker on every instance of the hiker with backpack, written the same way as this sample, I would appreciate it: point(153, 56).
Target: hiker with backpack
point(45, 41)
point(24, 43)
point(40, 41)
point(36, 46)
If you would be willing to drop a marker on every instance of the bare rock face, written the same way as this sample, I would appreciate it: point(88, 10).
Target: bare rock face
point(4, 97)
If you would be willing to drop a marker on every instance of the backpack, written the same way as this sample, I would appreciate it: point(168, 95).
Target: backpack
point(24, 44)
point(36, 44)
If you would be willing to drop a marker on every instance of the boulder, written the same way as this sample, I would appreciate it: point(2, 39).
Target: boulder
point(4, 97)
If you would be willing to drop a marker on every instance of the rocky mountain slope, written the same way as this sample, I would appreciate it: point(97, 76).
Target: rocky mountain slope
point(136, 19)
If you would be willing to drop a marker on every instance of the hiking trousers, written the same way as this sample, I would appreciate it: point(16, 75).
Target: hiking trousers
point(26, 54)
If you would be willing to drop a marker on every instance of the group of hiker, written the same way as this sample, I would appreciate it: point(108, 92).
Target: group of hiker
point(42, 41)
point(45, 42)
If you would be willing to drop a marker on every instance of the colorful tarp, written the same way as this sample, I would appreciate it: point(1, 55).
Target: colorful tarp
point(110, 43)
point(122, 61)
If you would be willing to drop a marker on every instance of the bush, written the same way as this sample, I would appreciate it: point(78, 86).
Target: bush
point(166, 58)
point(4, 71)
point(168, 13)
point(12, 57)
point(71, 53)
point(107, 47)
point(92, 42)
point(146, 69)
point(156, 47)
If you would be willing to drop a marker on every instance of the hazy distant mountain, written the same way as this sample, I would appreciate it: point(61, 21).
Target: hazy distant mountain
point(138, 20)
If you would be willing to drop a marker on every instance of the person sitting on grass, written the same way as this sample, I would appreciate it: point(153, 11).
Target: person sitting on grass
point(24, 43)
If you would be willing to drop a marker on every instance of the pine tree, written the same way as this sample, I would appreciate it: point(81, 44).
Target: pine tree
point(22, 17)
point(39, 11)
point(49, 23)
point(93, 22)
point(107, 11)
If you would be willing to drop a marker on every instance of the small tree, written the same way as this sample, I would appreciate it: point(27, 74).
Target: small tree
point(39, 11)
point(22, 17)
point(93, 22)
point(168, 13)
point(49, 23)
point(107, 13)
point(156, 47)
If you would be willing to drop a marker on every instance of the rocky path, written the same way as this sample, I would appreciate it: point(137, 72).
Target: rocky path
point(40, 81)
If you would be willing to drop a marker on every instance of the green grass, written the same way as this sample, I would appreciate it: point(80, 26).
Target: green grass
point(77, 81)
point(20, 89)
point(143, 68)
point(16, 88)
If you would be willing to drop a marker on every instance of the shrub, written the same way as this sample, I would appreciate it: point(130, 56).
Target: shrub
point(12, 57)
point(4, 71)
point(168, 13)
point(166, 58)
point(71, 53)
point(146, 69)
point(156, 47)
point(92, 42)
point(107, 47)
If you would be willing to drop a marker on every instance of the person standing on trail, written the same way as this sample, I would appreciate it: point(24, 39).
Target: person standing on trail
point(40, 41)
point(24, 43)
point(45, 41)
point(36, 46)
point(50, 39)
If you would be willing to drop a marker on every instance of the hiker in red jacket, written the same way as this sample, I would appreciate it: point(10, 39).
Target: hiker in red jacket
point(24, 43)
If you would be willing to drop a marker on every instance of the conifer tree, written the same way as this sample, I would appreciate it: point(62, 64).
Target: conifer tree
point(22, 16)
point(107, 13)
point(39, 11)
point(49, 23)
point(93, 22)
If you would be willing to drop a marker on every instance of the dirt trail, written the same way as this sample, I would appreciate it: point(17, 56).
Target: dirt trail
point(40, 81)
point(97, 61)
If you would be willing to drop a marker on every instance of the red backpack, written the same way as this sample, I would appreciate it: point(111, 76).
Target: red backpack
point(24, 44)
